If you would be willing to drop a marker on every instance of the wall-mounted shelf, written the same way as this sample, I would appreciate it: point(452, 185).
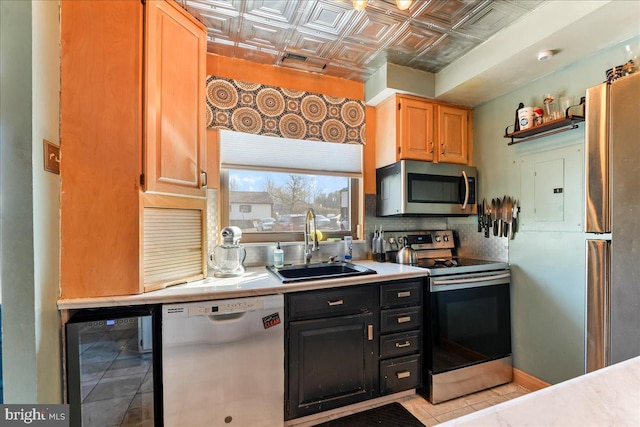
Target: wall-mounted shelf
point(550, 128)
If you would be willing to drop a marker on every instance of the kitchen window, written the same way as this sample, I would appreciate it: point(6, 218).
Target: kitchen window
point(268, 183)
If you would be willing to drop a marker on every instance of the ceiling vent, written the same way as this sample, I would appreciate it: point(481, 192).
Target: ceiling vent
point(301, 62)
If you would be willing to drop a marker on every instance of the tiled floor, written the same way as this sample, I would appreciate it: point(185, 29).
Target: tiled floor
point(431, 415)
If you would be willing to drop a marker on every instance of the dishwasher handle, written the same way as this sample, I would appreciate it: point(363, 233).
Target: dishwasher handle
point(227, 317)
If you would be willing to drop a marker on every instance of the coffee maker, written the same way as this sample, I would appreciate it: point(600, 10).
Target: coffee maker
point(227, 258)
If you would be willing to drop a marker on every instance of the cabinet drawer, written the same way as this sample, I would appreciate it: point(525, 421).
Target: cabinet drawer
point(401, 294)
point(332, 302)
point(399, 374)
point(399, 344)
point(400, 319)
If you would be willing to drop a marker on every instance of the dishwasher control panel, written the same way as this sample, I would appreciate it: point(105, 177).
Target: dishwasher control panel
point(209, 308)
point(236, 306)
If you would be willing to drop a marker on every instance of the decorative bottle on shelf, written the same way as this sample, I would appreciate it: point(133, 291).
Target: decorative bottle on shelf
point(516, 125)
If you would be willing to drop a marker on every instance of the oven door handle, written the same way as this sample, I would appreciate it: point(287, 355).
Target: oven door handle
point(470, 282)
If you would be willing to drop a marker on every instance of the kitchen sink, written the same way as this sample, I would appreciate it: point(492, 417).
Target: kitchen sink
point(323, 270)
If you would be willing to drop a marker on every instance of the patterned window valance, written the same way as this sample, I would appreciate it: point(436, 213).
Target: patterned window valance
point(274, 111)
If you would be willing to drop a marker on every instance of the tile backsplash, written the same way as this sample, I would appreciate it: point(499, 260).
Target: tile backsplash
point(471, 243)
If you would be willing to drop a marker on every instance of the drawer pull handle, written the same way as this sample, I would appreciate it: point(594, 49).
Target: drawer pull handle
point(405, 344)
point(370, 332)
point(403, 374)
point(404, 319)
point(337, 302)
point(404, 294)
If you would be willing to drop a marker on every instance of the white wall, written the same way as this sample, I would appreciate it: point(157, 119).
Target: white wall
point(29, 49)
point(46, 198)
point(548, 291)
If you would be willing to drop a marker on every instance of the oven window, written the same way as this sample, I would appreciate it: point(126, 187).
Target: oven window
point(424, 188)
point(469, 326)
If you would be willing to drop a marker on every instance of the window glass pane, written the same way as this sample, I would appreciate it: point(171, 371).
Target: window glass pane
point(266, 201)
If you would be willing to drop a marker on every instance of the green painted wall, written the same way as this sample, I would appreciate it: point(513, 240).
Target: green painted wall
point(548, 292)
point(29, 113)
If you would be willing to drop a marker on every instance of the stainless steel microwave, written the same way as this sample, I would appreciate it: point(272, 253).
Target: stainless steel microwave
point(415, 188)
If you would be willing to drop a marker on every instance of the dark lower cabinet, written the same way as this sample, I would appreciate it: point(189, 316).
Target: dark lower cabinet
point(331, 363)
point(349, 344)
point(400, 335)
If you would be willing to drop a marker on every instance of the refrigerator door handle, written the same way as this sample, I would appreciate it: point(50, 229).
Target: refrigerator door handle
point(598, 344)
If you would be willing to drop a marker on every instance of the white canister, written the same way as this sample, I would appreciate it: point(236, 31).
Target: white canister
point(526, 117)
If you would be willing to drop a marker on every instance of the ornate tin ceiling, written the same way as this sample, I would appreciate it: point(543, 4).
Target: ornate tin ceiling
point(330, 37)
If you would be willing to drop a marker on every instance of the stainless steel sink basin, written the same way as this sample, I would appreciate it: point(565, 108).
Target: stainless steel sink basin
point(316, 271)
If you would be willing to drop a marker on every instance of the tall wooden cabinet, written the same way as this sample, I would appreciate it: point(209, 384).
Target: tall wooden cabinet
point(112, 233)
point(412, 128)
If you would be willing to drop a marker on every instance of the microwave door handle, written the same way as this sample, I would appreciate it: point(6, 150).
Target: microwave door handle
point(466, 190)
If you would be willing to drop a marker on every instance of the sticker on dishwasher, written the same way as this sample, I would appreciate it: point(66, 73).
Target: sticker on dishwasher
point(271, 320)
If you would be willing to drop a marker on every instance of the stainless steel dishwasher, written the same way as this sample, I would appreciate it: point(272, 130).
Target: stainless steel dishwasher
point(223, 362)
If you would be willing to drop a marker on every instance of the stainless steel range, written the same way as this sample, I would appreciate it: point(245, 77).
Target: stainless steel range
point(467, 319)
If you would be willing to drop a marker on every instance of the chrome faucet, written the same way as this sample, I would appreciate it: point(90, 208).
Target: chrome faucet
point(309, 248)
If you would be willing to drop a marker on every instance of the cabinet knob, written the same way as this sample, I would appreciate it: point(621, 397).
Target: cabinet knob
point(205, 179)
point(442, 148)
point(431, 146)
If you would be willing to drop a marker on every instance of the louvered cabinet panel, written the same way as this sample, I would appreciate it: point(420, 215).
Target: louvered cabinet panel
point(173, 246)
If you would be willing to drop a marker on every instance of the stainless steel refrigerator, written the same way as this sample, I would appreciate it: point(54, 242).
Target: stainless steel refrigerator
point(613, 222)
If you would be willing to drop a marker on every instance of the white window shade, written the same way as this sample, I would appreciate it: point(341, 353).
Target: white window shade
point(239, 150)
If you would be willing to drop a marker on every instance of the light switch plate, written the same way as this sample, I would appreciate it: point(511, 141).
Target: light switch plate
point(51, 157)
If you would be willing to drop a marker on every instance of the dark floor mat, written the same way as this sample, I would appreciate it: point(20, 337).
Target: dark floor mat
point(391, 415)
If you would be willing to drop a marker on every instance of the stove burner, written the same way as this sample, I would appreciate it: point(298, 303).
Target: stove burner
point(442, 262)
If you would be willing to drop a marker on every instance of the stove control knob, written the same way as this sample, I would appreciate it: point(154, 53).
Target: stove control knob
point(438, 238)
point(445, 238)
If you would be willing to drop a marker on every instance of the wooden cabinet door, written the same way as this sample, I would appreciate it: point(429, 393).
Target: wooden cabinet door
point(330, 363)
point(100, 130)
point(175, 134)
point(416, 130)
point(453, 138)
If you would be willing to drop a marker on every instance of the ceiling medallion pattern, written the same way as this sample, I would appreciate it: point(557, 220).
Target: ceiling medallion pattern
point(267, 110)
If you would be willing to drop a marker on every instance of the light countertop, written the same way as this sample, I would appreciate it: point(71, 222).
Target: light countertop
point(607, 397)
point(256, 281)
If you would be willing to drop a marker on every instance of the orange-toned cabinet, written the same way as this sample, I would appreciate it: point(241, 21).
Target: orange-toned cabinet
point(453, 134)
point(412, 128)
point(175, 72)
point(110, 228)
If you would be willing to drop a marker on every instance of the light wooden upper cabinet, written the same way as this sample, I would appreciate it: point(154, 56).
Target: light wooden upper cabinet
point(453, 135)
point(416, 130)
point(175, 72)
point(412, 128)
